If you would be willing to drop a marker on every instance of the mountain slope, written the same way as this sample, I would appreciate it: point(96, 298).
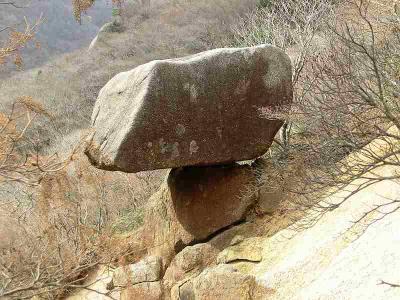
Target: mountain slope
point(59, 32)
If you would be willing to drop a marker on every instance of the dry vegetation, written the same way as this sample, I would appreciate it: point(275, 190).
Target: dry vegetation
point(69, 229)
point(343, 126)
point(346, 77)
point(80, 7)
point(17, 40)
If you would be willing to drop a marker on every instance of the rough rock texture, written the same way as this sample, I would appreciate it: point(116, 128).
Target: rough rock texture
point(247, 250)
point(203, 109)
point(190, 261)
point(146, 270)
point(192, 205)
point(336, 259)
point(143, 291)
point(199, 196)
point(98, 283)
point(222, 282)
point(104, 35)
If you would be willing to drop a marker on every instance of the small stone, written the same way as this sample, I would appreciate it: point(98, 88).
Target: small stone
point(146, 270)
point(221, 282)
point(145, 291)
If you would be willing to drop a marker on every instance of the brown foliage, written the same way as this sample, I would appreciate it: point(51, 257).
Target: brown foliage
point(16, 41)
point(19, 162)
point(70, 229)
point(81, 6)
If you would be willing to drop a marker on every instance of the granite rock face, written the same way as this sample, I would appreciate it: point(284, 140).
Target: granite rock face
point(222, 282)
point(198, 110)
point(146, 270)
point(208, 199)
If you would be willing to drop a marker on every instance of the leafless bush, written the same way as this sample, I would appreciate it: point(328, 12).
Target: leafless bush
point(346, 113)
point(51, 244)
point(68, 231)
point(69, 228)
point(17, 164)
point(287, 25)
point(294, 26)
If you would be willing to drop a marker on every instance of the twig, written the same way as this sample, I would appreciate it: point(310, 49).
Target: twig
point(388, 283)
point(12, 4)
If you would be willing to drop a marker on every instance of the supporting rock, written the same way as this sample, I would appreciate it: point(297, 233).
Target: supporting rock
point(190, 261)
point(248, 251)
point(193, 204)
point(199, 197)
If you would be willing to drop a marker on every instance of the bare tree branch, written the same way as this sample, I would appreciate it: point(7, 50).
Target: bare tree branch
point(388, 283)
point(14, 4)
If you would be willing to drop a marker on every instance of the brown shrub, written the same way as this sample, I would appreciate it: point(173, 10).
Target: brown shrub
point(343, 125)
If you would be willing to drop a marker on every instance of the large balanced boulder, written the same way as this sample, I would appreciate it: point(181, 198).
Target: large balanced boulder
point(203, 109)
